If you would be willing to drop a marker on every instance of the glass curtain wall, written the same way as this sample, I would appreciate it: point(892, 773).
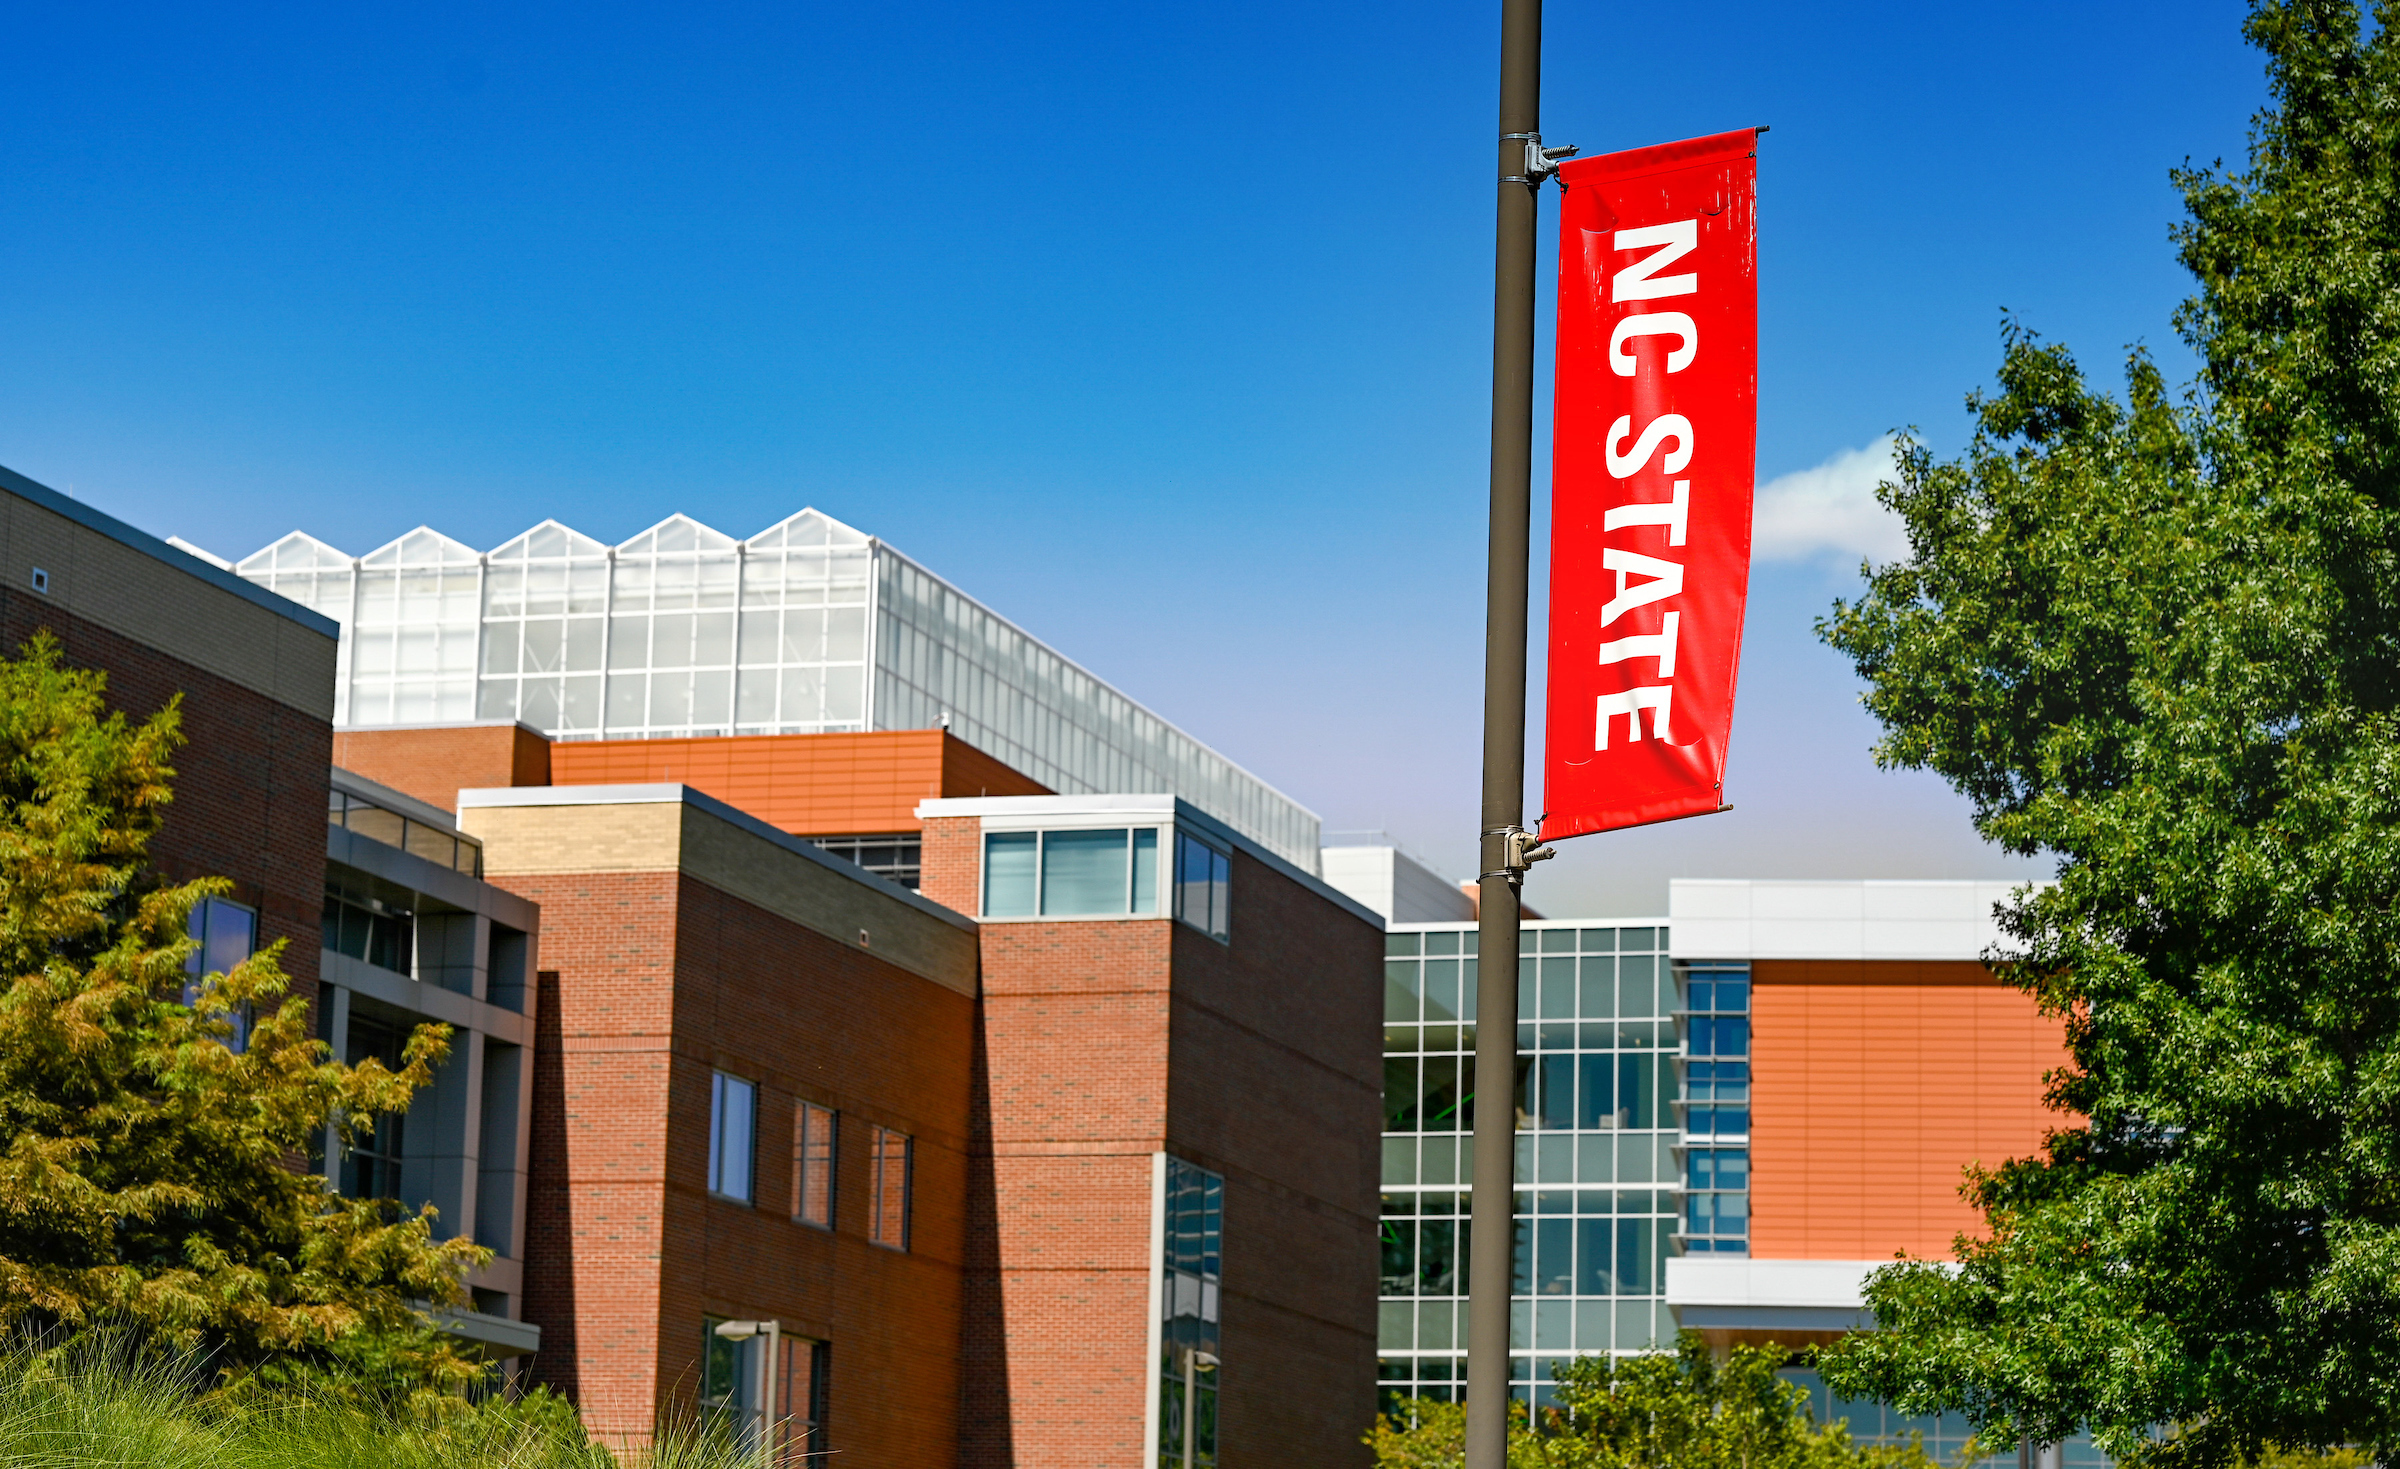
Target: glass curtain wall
point(1596, 1163)
point(1190, 1270)
point(944, 658)
point(545, 618)
point(809, 627)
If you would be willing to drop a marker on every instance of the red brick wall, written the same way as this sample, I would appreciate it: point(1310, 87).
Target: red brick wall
point(435, 764)
point(1276, 1081)
point(250, 781)
point(1873, 1085)
point(661, 981)
point(1075, 1047)
point(1106, 1041)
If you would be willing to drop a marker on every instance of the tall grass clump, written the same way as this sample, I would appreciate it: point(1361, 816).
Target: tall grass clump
point(102, 1401)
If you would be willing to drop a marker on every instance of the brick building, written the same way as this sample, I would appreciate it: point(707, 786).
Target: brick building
point(1085, 1145)
point(255, 673)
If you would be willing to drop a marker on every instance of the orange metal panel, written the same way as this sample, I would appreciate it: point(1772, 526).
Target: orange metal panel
point(1874, 1084)
point(810, 785)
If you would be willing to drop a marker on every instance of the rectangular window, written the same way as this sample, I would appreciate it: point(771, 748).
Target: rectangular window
point(812, 1165)
point(227, 934)
point(1070, 874)
point(1203, 885)
point(732, 1111)
point(1085, 872)
point(1188, 1305)
point(807, 1380)
point(1009, 862)
point(372, 1163)
point(888, 1157)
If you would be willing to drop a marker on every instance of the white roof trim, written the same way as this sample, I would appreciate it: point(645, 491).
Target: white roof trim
point(1052, 813)
point(1700, 1280)
point(1713, 918)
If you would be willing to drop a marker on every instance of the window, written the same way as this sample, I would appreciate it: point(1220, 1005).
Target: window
point(768, 1390)
point(807, 1375)
point(1203, 885)
point(227, 934)
point(1070, 874)
point(729, 1373)
point(369, 929)
point(887, 1200)
point(449, 849)
point(1190, 1272)
point(733, 1106)
point(371, 1167)
point(1716, 1093)
point(812, 1165)
point(1717, 1201)
point(899, 857)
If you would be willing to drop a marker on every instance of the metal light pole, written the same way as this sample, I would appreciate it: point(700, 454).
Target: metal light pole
point(1193, 1361)
point(1507, 847)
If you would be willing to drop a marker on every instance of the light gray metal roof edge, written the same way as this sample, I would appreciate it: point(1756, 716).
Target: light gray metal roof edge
point(1435, 924)
point(880, 544)
point(660, 794)
point(445, 724)
point(350, 782)
point(158, 550)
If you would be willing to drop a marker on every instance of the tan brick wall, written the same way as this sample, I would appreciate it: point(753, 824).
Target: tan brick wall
point(150, 602)
point(654, 836)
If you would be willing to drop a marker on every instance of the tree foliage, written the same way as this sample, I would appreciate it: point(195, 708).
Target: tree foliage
point(148, 1169)
point(2159, 640)
point(1661, 1410)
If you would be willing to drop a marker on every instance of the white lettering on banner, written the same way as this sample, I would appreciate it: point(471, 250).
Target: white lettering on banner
point(1659, 645)
point(1631, 703)
point(1666, 426)
point(1653, 512)
point(1640, 281)
point(1653, 324)
point(1666, 579)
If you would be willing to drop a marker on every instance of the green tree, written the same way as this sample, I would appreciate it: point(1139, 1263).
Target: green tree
point(1684, 1409)
point(2159, 641)
point(149, 1170)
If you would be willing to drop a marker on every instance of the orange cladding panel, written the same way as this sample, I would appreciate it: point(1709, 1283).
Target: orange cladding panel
point(1874, 1082)
point(807, 784)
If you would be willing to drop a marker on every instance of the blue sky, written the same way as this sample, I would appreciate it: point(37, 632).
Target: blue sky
point(1165, 330)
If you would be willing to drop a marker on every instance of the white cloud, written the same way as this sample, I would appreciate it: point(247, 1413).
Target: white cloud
point(1830, 509)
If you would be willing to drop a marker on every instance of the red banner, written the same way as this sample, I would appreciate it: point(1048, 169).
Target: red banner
point(1653, 451)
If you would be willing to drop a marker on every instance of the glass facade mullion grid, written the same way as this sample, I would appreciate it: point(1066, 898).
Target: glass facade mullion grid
point(1597, 1174)
point(545, 616)
point(1714, 1097)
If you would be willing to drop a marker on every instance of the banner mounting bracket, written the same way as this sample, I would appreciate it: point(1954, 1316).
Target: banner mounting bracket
point(1540, 163)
